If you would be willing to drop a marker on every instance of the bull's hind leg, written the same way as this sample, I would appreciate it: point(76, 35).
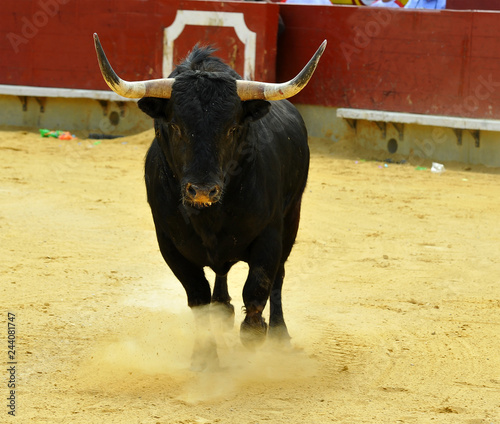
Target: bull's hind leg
point(263, 263)
point(277, 326)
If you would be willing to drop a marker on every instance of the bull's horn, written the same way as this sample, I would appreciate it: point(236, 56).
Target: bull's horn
point(249, 90)
point(133, 90)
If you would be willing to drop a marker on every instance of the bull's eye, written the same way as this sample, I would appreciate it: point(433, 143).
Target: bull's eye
point(232, 131)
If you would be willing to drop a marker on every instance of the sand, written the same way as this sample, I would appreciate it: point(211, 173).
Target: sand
point(392, 296)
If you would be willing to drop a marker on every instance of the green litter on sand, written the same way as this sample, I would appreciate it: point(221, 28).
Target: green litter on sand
point(420, 168)
point(61, 135)
point(48, 133)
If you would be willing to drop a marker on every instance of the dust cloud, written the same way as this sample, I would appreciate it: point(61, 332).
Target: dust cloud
point(155, 347)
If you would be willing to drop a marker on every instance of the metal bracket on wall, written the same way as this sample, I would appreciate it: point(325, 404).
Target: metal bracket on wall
point(122, 107)
point(41, 101)
point(353, 123)
point(476, 135)
point(105, 106)
point(383, 127)
point(400, 128)
point(24, 102)
point(459, 133)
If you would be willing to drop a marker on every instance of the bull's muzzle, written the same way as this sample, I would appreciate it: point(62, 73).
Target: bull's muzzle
point(201, 196)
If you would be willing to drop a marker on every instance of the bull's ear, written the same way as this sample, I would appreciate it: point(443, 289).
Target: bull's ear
point(153, 106)
point(255, 109)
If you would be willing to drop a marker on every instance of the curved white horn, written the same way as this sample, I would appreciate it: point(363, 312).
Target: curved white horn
point(250, 90)
point(134, 90)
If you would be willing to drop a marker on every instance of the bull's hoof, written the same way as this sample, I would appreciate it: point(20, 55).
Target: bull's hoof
point(253, 334)
point(279, 334)
point(280, 339)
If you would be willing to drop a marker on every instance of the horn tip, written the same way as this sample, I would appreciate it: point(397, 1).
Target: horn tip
point(97, 42)
point(323, 45)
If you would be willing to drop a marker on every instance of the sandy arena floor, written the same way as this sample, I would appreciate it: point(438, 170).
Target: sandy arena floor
point(392, 296)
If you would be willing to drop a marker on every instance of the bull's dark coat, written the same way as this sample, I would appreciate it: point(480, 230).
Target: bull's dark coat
point(254, 156)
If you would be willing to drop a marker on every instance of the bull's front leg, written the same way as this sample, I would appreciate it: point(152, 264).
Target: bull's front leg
point(205, 348)
point(198, 293)
point(221, 302)
point(264, 262)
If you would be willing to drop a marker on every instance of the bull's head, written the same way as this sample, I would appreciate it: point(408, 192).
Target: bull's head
point(201, 117)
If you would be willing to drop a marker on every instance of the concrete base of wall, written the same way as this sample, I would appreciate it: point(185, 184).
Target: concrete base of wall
point(73, 114)
point(415, 142)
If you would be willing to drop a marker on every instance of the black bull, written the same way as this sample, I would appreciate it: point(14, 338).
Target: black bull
point(224, 176)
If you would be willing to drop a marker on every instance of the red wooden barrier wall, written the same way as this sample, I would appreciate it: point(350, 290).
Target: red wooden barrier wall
point(49, 42)
point(431, 62)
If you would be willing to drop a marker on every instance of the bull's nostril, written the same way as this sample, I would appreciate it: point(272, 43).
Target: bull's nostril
point(214, 192)
point(191, 190)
